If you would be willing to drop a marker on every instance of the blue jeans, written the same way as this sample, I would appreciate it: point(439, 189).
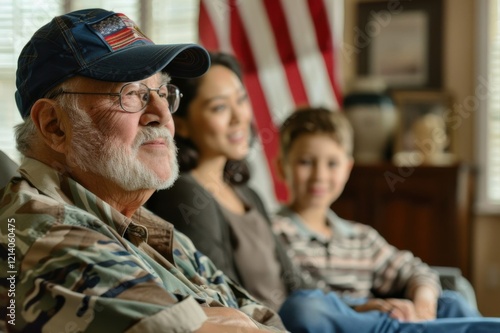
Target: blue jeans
point(312, 311)
point(452, 305)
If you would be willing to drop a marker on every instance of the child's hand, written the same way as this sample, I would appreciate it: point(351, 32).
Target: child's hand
point(425, 300)
point(400, 309)
point(426, 311)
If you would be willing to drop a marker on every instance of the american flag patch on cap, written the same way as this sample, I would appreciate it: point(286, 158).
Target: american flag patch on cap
point(119, 31)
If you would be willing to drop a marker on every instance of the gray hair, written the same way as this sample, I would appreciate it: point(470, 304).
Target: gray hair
point(26, 132)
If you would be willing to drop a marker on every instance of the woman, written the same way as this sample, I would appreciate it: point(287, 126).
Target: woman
point(210, 202)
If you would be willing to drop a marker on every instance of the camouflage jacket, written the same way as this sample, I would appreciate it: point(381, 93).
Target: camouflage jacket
point(72, 263)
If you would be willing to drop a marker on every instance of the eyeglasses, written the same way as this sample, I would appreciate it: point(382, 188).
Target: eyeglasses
point(135, 96)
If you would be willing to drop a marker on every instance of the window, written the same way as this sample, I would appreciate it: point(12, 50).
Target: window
point(488, 115)
point(174, 21)
point(164, 21)
point(19, 20)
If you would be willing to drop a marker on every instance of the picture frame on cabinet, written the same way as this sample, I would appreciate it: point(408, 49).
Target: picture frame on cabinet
point(400, 41)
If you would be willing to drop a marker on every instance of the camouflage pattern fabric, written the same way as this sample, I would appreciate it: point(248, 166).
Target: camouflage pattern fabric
point(75, 264)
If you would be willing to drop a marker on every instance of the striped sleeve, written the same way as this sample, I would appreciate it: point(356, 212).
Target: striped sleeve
point(398, 270)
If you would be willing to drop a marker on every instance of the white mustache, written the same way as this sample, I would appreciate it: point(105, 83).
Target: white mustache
point(152, 133)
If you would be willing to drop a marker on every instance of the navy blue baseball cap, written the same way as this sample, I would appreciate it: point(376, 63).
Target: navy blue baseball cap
point(101, 45)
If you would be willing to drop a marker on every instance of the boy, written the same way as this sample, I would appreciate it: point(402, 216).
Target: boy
point(350, 259)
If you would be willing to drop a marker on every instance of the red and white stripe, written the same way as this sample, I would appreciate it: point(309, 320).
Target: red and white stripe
point(289, 50)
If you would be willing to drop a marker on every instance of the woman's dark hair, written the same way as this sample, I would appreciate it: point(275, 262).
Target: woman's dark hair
point(235, 171)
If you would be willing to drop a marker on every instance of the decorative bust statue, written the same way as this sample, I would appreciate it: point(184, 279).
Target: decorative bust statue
point(430, 140)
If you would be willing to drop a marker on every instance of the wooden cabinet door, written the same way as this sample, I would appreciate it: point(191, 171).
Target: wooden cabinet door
point(425, 210)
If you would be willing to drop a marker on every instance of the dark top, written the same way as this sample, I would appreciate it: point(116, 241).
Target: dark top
point(196, 213)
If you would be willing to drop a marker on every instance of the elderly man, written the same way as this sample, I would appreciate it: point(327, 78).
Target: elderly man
point(81, 253)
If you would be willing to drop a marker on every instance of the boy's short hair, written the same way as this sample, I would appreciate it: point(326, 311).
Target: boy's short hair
point(316, 120)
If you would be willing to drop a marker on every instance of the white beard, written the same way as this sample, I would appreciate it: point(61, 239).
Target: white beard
point(93, 151)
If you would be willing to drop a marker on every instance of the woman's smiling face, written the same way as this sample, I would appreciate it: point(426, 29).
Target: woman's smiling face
point(219, 117)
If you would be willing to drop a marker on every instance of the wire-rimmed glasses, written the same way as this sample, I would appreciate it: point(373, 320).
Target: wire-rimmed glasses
point(134, 96)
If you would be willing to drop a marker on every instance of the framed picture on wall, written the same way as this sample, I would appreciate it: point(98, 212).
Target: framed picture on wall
point(400, 41)
point(419, 111)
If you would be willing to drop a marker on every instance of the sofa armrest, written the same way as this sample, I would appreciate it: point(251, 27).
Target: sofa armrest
point(452, 279)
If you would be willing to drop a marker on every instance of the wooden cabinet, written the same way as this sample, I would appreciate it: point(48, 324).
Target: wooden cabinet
point(425, 209)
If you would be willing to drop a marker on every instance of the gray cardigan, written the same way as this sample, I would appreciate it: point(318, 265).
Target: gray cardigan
point(195, 212)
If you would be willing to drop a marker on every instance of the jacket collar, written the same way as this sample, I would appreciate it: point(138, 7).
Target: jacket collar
point(60, 187)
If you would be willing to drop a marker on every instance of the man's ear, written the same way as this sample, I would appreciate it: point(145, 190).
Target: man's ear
point(181, 126)
point(47, 117)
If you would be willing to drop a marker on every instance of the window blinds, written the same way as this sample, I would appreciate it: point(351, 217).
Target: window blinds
point(488, 115)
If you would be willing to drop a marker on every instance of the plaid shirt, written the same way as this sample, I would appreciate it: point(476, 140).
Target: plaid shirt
point(76, 264)
point(356, 262)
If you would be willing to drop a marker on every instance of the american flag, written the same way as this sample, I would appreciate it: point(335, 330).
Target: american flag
point(119, 31)
point(288, 50)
